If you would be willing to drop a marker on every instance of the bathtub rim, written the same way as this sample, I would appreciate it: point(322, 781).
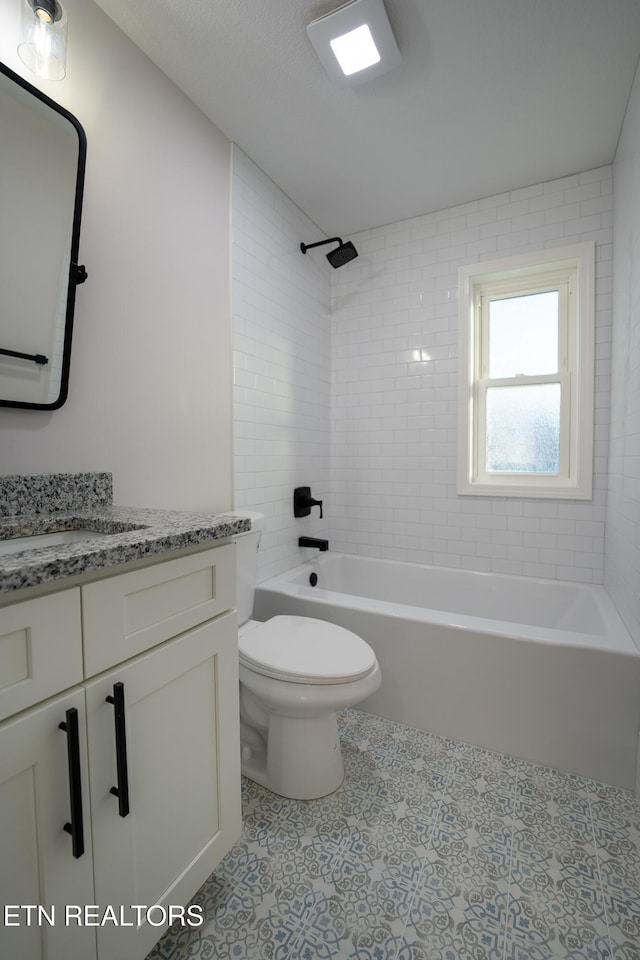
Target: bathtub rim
point(616, 640)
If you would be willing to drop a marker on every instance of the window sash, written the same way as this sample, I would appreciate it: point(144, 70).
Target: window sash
point(480, 472)
point(501, 291)
point(571, 271)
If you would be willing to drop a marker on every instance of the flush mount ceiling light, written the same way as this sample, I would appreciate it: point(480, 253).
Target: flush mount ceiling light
point(355, 42)
point(42, 45)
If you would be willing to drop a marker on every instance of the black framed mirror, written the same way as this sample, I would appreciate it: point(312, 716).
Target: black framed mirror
point(42, 162)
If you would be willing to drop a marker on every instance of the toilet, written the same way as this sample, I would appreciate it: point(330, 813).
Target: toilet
point(295, 674)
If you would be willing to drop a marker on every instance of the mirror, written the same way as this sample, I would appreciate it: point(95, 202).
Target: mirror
point(42, 161)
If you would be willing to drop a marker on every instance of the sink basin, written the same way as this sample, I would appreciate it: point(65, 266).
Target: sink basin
point(49, 540)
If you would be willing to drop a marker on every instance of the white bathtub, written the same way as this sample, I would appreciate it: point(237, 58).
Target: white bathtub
point(544, 670)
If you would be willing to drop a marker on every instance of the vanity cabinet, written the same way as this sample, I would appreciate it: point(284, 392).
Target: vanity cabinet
point(157, 765)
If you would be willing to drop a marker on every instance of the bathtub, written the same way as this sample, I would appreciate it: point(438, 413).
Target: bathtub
point(544, 670)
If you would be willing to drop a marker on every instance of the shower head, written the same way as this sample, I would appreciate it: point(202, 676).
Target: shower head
point(342, 254)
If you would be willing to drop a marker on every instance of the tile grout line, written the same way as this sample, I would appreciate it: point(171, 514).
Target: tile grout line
point(597, 850)
point(511, 847)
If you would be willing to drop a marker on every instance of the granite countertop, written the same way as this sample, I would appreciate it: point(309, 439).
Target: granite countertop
point(43, 504)
point(131, 534)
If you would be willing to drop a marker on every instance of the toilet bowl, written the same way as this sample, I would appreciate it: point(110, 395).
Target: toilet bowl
point(295, 674)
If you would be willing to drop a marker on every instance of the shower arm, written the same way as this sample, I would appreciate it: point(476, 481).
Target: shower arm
point(321, 243)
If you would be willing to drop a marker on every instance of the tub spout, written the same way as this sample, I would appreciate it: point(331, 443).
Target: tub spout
point(313, 542)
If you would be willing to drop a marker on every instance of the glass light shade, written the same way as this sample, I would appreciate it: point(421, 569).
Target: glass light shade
point(355, 50)
point(355, 43)
point(42, 45)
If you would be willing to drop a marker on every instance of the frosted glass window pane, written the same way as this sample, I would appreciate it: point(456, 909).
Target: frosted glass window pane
point(523, 335)
point(523, 429)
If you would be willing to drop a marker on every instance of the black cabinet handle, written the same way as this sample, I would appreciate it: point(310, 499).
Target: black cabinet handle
point(122, 790)
point(75, 827)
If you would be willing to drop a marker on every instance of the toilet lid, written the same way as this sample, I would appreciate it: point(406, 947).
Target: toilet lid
point(303, 650)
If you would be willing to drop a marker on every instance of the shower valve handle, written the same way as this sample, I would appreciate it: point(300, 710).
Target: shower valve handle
point(303, 501)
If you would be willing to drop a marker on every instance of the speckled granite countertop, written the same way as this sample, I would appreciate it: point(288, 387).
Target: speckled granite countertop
point(133, 534)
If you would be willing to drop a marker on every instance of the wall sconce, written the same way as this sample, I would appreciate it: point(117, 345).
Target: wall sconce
point(42, 44)
point(355, 42)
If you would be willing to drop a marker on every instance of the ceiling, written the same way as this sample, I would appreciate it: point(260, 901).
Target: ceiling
point(491, 95)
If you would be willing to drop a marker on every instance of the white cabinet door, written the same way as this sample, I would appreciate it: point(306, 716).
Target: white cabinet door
point(39, 873)
point(183, 772)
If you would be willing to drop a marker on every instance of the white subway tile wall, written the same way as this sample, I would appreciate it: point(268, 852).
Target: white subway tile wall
point(282, 333)
point(622, 548)
point(346, 380)
point(394, 396)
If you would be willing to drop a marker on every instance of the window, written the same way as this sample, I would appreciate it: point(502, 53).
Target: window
point(526, 375)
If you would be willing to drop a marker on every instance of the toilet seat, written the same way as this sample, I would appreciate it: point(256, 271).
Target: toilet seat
point(304, 650)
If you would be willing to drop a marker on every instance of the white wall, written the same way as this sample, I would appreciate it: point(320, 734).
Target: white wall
point(282, 327)
point(150, 383)
point(395, 419)
point(622, 546)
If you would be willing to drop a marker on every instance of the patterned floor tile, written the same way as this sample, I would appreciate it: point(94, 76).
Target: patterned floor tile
point(462, 847)
point(377, 943)
point(599, 950)
point(473, 868)
point(430, 850)
point(478, 772)
point(625, 951)
point(559, 922)
point(303, 924)
point(467, 931)
point(559, 830)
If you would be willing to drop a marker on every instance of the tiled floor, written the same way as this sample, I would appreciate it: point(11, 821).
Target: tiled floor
point(430, 850)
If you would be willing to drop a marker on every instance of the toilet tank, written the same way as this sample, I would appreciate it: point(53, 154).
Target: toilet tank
point(247, 562)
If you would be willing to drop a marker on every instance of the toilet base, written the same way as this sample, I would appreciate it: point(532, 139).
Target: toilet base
point(301, 758)
point(289, 731)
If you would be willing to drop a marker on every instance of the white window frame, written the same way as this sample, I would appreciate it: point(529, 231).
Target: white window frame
point(572, 271)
